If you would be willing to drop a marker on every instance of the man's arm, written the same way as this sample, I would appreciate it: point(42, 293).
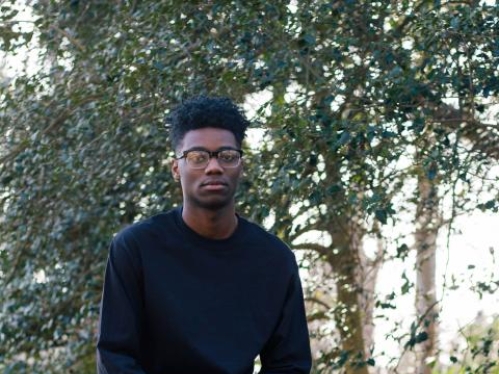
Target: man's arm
point(118, 346)
point(288, 350)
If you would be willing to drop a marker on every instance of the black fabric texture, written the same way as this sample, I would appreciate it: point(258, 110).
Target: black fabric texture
point(176, 302)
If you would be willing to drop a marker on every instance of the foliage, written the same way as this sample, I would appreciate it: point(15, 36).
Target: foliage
point(353, 88)
point(481, 351)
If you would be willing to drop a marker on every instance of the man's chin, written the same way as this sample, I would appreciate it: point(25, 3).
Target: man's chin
point(213, 203)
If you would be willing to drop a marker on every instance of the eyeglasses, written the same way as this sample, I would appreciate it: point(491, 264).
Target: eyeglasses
point(200, 158)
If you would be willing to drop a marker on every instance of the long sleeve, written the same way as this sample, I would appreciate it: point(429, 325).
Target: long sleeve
point(118, 346)
point(288, 350)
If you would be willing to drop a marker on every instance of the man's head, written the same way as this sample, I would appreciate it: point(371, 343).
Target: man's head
point(201, 112)
point(206, 135)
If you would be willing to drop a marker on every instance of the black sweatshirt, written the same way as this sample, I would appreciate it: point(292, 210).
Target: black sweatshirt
point(175, 302)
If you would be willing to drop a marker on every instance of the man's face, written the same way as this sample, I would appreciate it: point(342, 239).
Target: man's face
point(214, 186)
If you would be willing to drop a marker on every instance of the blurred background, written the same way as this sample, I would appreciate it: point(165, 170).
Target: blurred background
point(373, 153)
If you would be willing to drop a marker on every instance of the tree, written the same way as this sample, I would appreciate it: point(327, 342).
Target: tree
point(358, 110)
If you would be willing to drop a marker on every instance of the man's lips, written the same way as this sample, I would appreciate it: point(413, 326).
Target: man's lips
point(214, 185)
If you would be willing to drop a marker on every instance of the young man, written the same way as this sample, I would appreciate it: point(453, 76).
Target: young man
point(200, 289)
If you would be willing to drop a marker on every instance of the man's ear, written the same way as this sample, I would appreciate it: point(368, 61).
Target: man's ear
point(175, 171)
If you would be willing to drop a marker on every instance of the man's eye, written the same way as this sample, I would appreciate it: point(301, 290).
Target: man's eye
point(227, 156)
point(197, 157)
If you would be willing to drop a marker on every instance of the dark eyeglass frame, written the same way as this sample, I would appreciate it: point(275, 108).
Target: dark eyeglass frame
point(211, 154)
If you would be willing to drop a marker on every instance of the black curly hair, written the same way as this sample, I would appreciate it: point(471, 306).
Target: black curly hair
point(203, 111)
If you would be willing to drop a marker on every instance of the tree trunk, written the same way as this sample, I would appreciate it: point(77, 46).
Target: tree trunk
point(348, 315)
point(427, 225)
point(368, 276)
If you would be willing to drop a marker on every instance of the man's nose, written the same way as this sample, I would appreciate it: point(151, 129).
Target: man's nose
point(213, 166)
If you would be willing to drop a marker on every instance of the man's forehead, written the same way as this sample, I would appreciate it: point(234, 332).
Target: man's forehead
point(208, 137)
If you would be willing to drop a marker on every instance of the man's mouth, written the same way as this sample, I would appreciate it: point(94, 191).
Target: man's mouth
point(214, 185)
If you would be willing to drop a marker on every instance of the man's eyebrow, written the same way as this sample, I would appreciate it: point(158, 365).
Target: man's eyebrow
point(223, 148)
point(196, 149)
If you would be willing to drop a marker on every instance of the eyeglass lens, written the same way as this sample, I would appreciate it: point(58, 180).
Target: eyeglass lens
point(200, 158)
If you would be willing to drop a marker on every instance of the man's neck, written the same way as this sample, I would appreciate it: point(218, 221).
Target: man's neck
point(219, 224)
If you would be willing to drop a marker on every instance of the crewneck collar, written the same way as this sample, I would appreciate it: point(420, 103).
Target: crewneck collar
point(217, 244)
